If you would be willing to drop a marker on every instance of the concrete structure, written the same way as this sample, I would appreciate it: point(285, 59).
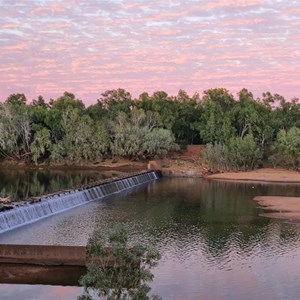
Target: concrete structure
point(43, 255)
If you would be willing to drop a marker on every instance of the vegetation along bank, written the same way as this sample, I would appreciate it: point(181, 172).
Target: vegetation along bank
point(240, 133)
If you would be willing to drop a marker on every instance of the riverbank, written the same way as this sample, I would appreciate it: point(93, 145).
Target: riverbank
point(119, 164)
point(267, 175)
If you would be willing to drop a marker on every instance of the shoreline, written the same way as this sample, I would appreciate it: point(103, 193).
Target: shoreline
point(121, 165)
point(264, 175)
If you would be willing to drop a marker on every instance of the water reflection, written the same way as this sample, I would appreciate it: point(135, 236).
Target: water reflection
point(213, 243)
point(23, 184)
point(39, 274)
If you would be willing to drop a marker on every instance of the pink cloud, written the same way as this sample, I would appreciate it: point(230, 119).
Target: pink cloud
point(234, 3)
point(148, 46)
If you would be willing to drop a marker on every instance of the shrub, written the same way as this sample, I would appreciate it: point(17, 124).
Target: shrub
point(238, 154)
point(286, 149)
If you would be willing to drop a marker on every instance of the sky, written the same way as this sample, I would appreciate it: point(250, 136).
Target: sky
point(86, 47)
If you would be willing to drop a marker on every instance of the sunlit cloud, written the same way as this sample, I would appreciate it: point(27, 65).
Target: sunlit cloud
point(48, 47)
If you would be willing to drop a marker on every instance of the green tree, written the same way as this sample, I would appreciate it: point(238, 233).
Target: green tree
point(16, 99)
point(253, 117)
point(65, 101)
point(287, 114)
point(185, 126)
point(15, 130)
point(41, 145)
point(238, 154)
point(96, 111)
point(137, 136)
point(127, 277)
point(287, 148)
point(160, 105)
point(216, 120)
point(244, 153)
point(83, 139)
point(58, 107)
point(115, 101)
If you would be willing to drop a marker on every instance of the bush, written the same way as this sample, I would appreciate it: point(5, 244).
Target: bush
point(238, 154)
point(216, 157)
point(136, 137)
point(286, 149)
point(244, 153)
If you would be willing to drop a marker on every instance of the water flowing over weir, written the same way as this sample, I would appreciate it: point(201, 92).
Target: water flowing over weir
point(50, 205)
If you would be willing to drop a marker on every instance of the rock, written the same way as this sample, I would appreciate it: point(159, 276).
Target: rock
point(5, 200)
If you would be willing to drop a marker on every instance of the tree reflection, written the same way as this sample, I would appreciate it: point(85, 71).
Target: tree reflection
point(23, 184)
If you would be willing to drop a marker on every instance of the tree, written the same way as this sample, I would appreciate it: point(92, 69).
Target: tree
point(53, 119)
point(63, 102)
point(15, 130)
point(16, 99)
point(115, 101)
point(238, 154)
point(253, 117)
point(129, 274)
point(216, 120)
point(287, 114)
point(137, 136)
point(162, 106)
point(244, 153)
point(185, 126)
point(287, 148)
point(83, 139)
point(96, 111)
point(41, 144)
point(40, 101)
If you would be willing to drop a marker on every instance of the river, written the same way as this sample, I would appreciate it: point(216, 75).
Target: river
point(213, 243)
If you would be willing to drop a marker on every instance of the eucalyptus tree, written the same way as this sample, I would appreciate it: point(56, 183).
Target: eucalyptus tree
point(114, 101)
point(139, 136)
point(65, 101)
point(41, 145)
point(251, 116)
point(287, 114)
point(15, 128)
point(189, 111)
point(215, 124)
point(286, 149)
point(83, 138)
point(97, 111)
point(57, 108)
point(16, 99)
point(160, 104)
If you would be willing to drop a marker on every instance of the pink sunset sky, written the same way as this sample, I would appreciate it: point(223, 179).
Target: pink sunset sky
point(87, 47)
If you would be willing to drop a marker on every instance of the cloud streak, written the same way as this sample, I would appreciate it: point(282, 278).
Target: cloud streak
point(48, 47)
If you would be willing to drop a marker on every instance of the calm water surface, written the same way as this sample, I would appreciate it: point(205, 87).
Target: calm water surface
point(213, 243)
point(23, 184)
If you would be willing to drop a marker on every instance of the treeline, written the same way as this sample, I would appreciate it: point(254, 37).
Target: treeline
point(239, 133)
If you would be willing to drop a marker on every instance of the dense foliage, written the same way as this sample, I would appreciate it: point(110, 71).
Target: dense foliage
point(116, 270)
point(63, 130)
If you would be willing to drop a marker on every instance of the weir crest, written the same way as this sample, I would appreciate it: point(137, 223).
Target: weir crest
point(50, 205)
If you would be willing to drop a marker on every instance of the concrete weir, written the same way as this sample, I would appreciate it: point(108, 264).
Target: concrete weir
point(45, 255)
point(52, 204)
point(39, 264)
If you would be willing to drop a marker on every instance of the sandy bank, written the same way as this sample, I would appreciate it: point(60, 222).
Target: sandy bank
point(280, 207)
point(260, 175)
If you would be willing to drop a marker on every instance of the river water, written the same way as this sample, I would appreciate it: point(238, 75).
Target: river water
point(213, 243)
